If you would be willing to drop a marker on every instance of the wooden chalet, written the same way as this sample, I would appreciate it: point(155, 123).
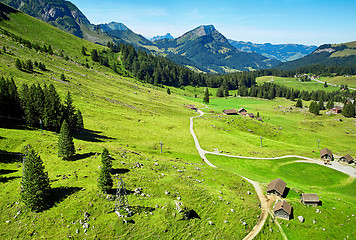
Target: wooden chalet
point(276, 187)
point(283, 210)
point(347, 158)
point(336, 109)
point(230, 112)
point(242, 110)
point(192, 107)
point(309, 199)
point(326, 154)
point(251, 115)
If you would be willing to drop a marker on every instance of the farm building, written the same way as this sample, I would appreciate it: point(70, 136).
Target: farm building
point(251, 115)
point(336, 109)
point(230, 112)
point(326, 154)
point(283, 210)
point(347, 158)
point(276, 187)
point(192, 107)
point(309, 199)
point(242, 110)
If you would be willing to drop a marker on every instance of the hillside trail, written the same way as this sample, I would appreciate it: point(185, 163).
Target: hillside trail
point(264, 201)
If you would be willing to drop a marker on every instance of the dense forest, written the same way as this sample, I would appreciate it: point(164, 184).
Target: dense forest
point(37, 106)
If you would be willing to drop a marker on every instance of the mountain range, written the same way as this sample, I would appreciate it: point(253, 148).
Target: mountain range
point(281, 52)
point(202, 49)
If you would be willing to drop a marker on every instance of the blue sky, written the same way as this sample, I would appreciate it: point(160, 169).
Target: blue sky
point(311, 22)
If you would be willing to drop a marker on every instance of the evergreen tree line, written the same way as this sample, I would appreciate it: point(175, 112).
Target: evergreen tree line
point(160, 70)
point(271, 91)
point(37, 104)
point(28, 65)
point(320, 70)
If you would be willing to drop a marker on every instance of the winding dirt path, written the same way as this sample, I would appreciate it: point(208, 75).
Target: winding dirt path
point(264, 201)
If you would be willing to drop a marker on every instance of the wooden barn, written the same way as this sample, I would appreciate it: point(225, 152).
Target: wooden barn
point(242, 110)
point(230, 112)
point(336, 109)
point(192, 107)
point(309, 199)
point(326, 154)
point(283, 210)
point(276, 187)
point(347, 158)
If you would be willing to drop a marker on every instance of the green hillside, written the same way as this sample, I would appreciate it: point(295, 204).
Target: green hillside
point(330, 55)
point(129, 119)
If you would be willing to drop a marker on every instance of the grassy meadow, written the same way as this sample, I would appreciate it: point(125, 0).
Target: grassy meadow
point(130, 119)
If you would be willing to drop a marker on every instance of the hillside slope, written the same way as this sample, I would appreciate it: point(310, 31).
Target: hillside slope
point(130, 120)
point(281, 52)
point(343, 54)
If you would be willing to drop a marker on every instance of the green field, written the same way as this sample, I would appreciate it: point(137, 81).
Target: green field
point(295, 84)
point(130, 119)
point(336, 191)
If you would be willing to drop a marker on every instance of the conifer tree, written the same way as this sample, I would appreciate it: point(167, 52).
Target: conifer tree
point(220, 92)
point(105, 181)
point(69, 111)
point(348, 110)
point(330, 104)
point(299, 103)
point(18, 64)
point(35, 185)
point(168, 91)
point(79, 117)
point(94, 55)
point(65, 142)
point(206, 95)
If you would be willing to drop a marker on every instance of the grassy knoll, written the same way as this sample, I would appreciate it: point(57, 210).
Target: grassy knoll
point(285, 129)
point(129, 119)
point(336, 190)
point(341, 80)
point(293, 83)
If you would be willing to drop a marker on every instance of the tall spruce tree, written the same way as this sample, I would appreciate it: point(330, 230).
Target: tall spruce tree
point(105, 181)
point(35, 184)
point(349, 110)
point(79, 117)
point(330, 104)
point(206, 95)
point(69, 111)
point(65, 142)
point(299, 103)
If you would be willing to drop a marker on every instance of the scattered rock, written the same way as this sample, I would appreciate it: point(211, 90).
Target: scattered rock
point(86, 215)
point(8, 221)
point(314, 221)
point(271, 230)
point(301, 219)
point(178, 198)
point(64, 177)
point(249, 193)
point(244, 223)
point(226, 221)
point(166, 192)
point(211, 223)
point(76, 231)
point(232, 210)
point(86, 225)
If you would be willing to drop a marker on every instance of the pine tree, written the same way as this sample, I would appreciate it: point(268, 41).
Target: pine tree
point(325, 85)
point(168, 91)
point(330, 104)
point(299, 103)
point(35, 184)
point(18, 64)
point(79, 117)
point(314, 108)
point(62, 77)
point(220, 92)
point(69, 111)
point(206, 95)
point(105, 181)
point(94, 55)
point(65, 142)
point(348, 110)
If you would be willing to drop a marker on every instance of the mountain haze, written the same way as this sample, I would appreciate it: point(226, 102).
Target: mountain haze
point(281, 52)
point(167, 36)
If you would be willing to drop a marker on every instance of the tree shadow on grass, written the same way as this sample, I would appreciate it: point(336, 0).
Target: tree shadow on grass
point(7, 171)
point(119, 170)
point(7, 179)
point(80, 156)
point(60, 193)
point(10, 157)
point(13, 123)
point(90, 136)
